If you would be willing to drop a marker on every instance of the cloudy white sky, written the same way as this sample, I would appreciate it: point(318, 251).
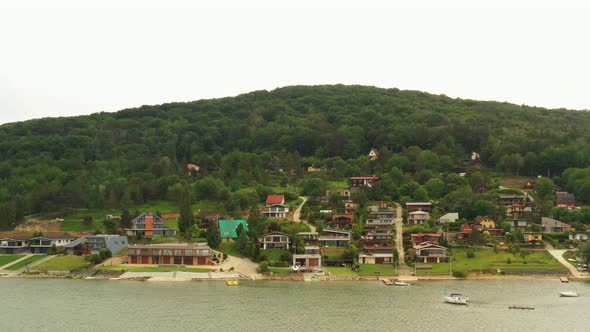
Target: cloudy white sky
point(63, 58)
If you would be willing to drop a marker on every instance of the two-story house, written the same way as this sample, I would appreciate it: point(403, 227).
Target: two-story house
point(357, 182)
point(334, 238)
point(550, 225)
point(275, 240)
point(149, 224)
point(430, 253)
point(14, 245)
point(276, 207)
point(42, 244)
point(309, 259)
point(418, 217)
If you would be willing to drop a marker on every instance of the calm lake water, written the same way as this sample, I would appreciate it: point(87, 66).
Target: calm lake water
point(85, 305)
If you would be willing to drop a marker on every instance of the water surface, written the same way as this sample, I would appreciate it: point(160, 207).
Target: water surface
point(85, 305)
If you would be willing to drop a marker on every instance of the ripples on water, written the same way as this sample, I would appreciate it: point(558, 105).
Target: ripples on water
point(80, 305)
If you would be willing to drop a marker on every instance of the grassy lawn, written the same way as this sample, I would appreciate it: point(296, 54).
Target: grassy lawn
point(332, 185)
point(273, 255)
point(63, 263)
point(338, 270)
point(376, 269)
point(280, 270)
point(152, 268)
point(570, 254)
point(9, 259)
point(25, 262)
point(171, 223)
point(486, 259)
point(230, 249)
point(122, 252)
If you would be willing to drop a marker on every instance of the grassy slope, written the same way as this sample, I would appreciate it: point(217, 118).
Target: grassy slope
point(230, 249)
point(63, 263)
point(486, 259)
point(9, 259)
point(25, 262)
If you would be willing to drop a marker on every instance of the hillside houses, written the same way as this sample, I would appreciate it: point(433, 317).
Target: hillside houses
point(276, 207)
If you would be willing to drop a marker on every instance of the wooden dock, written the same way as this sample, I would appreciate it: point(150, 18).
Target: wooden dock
point(564, 279)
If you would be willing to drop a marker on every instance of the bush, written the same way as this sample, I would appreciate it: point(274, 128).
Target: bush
point(508, 261)
point(470, 253)
point(459, 274)
point(263, 267)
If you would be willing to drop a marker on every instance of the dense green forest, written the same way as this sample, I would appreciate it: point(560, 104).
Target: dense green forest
point(265, 140)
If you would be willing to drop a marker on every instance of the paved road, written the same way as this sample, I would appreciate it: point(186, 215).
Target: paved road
point(297, 214)
point(399, 242)
point(558, 254)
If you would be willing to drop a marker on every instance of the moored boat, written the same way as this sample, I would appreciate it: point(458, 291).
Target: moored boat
point(456, 298)
point(569, 294)
point(401, 283)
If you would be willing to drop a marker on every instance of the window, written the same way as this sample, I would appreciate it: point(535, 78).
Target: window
point(177, 252)
point(167, 252)
point(188, 252)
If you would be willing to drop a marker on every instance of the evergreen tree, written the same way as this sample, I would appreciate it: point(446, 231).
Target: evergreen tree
point(242, 244)
point(187, 220)
point(213, 236)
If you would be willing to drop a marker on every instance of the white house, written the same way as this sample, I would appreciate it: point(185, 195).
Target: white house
point(449, 217)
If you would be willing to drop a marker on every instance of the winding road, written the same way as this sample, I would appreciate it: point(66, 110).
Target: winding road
point(297, 214)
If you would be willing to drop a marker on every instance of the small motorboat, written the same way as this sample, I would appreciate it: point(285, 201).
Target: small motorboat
point(456, 298)
point(401, 283)
point(569, 294)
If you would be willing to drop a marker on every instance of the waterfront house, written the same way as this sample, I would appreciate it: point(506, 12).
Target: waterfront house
point(309, 259)
point(357, 182)
point(464, 233)
point(381, 212)
point(377, 236)
point(376, 255)
point(419, 206)
point(518, 224)
point(275, 207)
point(418, 238)
point(334, 238)
point(579, 236)
point(349, 207)
point(149, 224)
point(565, 199)
point(449, 217)
point(170, 253)
point(42, 244)
point(511, 199)
point(427, 252)
point(309, 238)
point(483, 223)
point(550, 225)
point(274, 240)
point(532, 237)
point(342, 220)
point(343, 193)
point(227, 228)
point(14, 245)
point(92, 244)
point(373, 154)
point(418, 217)
point(514, 210)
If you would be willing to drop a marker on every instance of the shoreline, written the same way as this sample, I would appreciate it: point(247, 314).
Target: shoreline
point(165, 276)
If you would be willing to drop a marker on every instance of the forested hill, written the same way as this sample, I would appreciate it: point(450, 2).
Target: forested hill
point(137, 155)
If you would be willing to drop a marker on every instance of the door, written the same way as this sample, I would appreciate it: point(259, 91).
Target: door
point(133, 259)
point(188, 261)
point(145, 259)
point(201, 260)
point(178, 260)
point(314, 262)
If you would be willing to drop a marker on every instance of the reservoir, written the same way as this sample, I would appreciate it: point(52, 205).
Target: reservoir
point(92, 305)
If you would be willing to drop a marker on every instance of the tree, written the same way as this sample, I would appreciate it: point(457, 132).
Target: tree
point(544, 189)
point(584, 251)
point(110, 226)
point(187, 219)
point(242, 243)
point(126, 218)
point(435, 188)
point(213, 236)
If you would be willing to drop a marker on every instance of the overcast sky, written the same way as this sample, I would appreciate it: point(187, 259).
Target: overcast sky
point(68, 58)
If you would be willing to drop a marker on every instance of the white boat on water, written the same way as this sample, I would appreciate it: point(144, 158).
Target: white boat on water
point(456, 298)
point(401, 283)
point(569, 294)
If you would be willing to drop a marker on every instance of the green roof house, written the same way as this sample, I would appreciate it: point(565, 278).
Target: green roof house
point(227, 228)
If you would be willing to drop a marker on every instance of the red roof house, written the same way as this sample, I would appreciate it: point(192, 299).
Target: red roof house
point(275, 199)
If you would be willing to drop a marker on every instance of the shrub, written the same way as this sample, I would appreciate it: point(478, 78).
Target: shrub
point(263, 267)
point(470, 253)
point(459, 274)
point(508, 260)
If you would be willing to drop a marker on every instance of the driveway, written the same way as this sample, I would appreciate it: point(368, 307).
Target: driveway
point(297, 214)
point(558, 254)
